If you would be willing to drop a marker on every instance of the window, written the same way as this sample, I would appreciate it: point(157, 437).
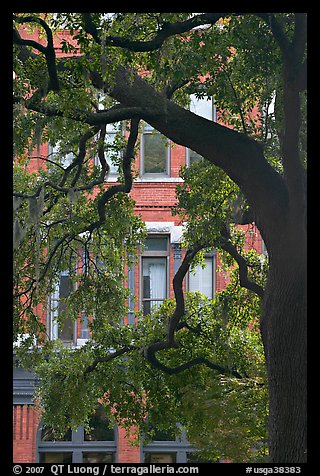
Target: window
point(202, 107)
point(151, 457)
point(47, 435)
point(112, 152)
point(164, 435)
point(154, 273)
point(66, 330)
point(97, 457)
point(64, 159)
point(97, 446)
point(166, 448)
point(192, 157)
point(202, 279)
point(205, 108)
point(154, 152)
point(56, 457)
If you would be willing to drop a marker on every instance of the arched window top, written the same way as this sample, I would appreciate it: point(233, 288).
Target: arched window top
point(100, 429)
point(93, 444)
point(47, 434)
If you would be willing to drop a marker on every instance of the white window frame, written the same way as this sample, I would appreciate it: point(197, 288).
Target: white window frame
point(195, 105)
point(111, 130)
point(147, 129)
point(63, 161)
point(211, 257)
point(154, 254)
point(53, 314)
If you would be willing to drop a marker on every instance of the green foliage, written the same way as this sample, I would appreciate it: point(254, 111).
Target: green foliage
point(206, 200)
point(237, 62)
point(231, 424)
point(224, 416)
point(60, 218)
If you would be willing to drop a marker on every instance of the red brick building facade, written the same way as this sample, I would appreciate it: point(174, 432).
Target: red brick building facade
point(154, 195)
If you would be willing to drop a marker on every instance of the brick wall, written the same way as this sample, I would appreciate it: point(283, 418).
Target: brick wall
point(25, 425)
point(127, 453)
point(150, 194)
point(154, 202)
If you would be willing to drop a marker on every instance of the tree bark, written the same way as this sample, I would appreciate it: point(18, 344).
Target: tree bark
point(278, 204)
point(284, 335)
point(282, 226)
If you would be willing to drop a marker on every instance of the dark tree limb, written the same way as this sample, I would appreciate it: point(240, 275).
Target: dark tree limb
point(173, 86)
point(115, 113)
point(277, 31)
point(127, 173)
point(167, 30)
point(110, 192)
point(188, 365)
point(178, 292)
point(108, 358)
point(245, 282)
point(176, 324)
point(48, 51)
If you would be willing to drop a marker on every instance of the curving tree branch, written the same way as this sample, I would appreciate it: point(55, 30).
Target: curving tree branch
point(242, 264)
point(167, 30)
point(108, 358)
point(48, 51)
point(175, 324)
point(127, 173)
point(106, 196)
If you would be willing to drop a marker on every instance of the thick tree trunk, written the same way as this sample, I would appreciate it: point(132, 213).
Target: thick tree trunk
point(272, 197)
point(284, 334)
point(279, 215)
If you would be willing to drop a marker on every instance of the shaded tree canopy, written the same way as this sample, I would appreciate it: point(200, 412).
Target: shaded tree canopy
point(134, 67)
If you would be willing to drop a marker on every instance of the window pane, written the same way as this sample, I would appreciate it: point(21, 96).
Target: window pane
point(48, 435)
point(201, 107)
point(154, 283)
point(111, 153)
point(65, 287)
point(155, 153)
point(202, 279)
point(147, 127)
point(194, 157)
point(65, 160)
point(156, 244)
point(66, 330)
point(98, 457)
point(160, 457)
point(99, 427)
point(56, 457)
point(164, 435)
point(151, 306)
point(154, 278)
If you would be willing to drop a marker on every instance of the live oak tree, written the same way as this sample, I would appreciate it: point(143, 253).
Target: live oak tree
point(133, 67)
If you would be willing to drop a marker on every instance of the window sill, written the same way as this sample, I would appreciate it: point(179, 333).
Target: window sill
point(81, 342)
point(158, 179)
